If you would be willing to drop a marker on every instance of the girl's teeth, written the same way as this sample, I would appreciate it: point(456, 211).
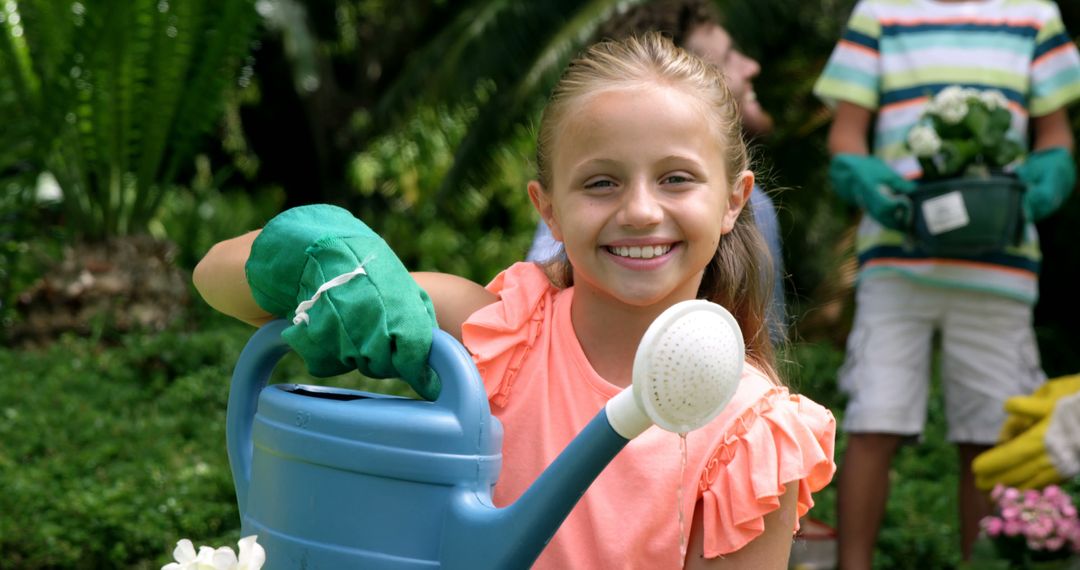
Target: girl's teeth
point(643, 252)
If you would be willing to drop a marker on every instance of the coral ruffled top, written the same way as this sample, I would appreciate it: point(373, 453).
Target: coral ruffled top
point(543, 389)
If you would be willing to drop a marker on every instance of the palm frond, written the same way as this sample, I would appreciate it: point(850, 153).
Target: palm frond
point(110, 91)
point(437, 69)
point(173, 42)
point(226, 35)
point(513, 104)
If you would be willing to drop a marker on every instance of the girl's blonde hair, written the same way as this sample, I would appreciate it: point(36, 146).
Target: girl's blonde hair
point(734, 278)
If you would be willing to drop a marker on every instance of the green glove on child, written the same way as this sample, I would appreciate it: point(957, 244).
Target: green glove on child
point(1050, 175)
point(870, 184)
point(353, 304)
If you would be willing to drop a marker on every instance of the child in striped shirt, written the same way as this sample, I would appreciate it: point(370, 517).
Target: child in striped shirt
point(893, 57)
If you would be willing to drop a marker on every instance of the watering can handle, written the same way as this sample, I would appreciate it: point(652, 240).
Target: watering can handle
point(462, 392)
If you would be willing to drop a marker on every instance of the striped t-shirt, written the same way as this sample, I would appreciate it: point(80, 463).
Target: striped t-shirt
point(896, 54)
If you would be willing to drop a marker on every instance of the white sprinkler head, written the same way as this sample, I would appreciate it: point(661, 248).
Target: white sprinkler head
point(686, 370)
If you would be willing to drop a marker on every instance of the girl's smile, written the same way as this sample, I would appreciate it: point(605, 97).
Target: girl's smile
point(642, 257)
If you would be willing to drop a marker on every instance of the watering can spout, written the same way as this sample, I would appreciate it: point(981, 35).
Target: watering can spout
point(520, 531)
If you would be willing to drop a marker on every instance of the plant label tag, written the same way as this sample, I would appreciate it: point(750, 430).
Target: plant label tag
point(944, 213)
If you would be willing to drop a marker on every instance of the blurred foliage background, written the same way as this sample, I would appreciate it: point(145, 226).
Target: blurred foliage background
point(137, 133)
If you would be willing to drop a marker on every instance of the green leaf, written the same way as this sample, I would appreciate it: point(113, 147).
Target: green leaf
point(955, 155)
point(977, 122)
point(103, 93)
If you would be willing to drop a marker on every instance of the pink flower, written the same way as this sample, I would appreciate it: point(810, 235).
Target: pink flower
point(1055, 543)
point(1040, 528)
point(1047, 520)
point(1013, 527)
point(992, 526)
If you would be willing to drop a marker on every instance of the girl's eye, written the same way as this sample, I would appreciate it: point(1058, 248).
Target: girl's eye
point(599, 184)
point(676, 179)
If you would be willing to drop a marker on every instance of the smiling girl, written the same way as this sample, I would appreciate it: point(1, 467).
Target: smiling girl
point(642, 175)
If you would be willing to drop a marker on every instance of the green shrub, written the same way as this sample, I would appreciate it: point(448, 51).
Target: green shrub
point(109, 455)
point(474, 231)
point(30, 239)
point(203, 214)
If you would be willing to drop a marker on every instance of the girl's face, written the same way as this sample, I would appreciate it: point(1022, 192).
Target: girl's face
point(639, 193)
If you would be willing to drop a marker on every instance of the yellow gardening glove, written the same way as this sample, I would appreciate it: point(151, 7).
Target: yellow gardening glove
point(1025, 411)
point(1022, 462)
point(1040, 440)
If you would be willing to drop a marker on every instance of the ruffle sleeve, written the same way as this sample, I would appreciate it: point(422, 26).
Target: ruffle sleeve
point(780, 439)
point(500, 335)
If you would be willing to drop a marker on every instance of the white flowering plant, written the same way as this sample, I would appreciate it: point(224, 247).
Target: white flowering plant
point(963, 132)
point(252, 556)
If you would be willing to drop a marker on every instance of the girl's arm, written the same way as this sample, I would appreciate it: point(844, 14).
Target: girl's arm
point(454, 298)
point(220, 279)
point(769, 551)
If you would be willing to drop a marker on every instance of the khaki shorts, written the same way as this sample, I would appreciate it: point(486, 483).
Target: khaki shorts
point(988, 354)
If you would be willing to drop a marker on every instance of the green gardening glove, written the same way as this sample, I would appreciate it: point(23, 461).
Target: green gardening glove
point(353, 304)
point(867, 182)
point(1050, 175)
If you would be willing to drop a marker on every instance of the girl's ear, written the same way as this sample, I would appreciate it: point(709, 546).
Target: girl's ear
point(542, 202)
point(740, 198)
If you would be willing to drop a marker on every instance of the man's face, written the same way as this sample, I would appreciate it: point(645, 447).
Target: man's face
point(713, 44)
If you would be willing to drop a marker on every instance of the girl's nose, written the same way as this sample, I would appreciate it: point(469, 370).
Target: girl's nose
point(640, 207)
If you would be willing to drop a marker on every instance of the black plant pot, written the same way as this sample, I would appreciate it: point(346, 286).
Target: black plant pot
point(968, 216)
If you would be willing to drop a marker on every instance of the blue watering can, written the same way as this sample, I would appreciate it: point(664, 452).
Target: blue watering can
point(333, 479)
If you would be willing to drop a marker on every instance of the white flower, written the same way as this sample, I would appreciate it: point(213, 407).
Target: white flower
point(951, 104)
point(953, 112)
point(184, 554)
point(48, 189)
point(923, 140)
point(950, 95)
point(970, 93)
point(252, 556)
point(993, 99)
point(216, 559)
